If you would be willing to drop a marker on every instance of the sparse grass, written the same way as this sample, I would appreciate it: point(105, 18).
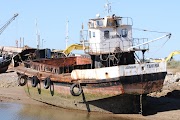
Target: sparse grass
point(174, 66)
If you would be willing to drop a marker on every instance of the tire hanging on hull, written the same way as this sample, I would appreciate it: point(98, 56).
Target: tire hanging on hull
point(47, 83)
point(34, 81)
point(22, 80)
point(72, 91)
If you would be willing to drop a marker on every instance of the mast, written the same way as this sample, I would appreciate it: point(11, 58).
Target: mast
point(67, 33)
point(37, 36)
point(108, 7)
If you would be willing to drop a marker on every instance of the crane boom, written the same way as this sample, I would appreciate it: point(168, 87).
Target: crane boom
point(168, 35)
point(7, 23)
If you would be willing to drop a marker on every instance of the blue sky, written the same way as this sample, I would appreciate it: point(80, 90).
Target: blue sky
point(156, 15)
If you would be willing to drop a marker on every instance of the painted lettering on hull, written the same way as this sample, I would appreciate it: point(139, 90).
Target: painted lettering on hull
point(130, 67)
point(152, 65)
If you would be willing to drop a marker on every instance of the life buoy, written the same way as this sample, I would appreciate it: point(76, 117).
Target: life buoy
point(72, 91)
point(35, 81)
point(22, 80)
point(47, 83)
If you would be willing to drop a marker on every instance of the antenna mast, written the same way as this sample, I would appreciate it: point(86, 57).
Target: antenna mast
point(37, 36)
point(67, 33)
point(108, 7)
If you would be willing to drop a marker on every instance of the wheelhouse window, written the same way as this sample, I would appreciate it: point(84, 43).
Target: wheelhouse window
point(89, 34)
point(124, 32)
point(99, 23)
point(91, 24)
point(94, 35)
point(106, 34)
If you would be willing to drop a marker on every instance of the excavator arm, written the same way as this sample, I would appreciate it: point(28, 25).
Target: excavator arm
point(69, 49)
point(171, 55)
point(73, 47)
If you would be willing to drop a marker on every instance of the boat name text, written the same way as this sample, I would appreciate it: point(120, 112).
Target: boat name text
point(152, 65)
point(130, 67)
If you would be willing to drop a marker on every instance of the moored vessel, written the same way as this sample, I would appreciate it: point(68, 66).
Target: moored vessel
point(97, 81)
point(4, 63)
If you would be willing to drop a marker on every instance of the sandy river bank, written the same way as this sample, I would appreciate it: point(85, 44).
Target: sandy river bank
point(164, 105)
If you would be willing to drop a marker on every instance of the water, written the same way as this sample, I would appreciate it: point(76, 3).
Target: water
point(12, 111)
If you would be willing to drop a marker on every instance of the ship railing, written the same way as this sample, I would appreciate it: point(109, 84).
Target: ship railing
point(114, 47)
point(111, 22)
point(126, 21)
point(59, 65)
point(108, 47)
point(137, 41)
point(42, 67)
point(50, 68)
point(84, 36)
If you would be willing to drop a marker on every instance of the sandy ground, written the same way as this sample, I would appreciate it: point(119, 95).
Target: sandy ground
point(164, 105)
point(11, 92)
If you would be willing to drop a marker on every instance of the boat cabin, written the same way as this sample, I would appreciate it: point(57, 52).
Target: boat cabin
point(110, 34)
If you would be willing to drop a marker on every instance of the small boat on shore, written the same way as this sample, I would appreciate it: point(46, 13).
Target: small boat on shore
point(4, 63)
point(96, 82)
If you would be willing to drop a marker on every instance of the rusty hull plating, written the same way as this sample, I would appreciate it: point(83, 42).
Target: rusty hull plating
point(102, 95)
point(59, 70)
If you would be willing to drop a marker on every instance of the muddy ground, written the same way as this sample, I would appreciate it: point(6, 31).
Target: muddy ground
point(163, 105)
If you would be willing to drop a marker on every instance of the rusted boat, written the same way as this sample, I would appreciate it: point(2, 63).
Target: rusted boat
point(94, 83)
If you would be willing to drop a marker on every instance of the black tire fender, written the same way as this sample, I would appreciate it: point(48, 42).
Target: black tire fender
point(52, 88)
point(178, 79)
point(34, 81)
point(47, 83)
point(22, 80)
point(76, 85)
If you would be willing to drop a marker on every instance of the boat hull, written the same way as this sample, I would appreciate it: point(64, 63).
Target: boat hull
point(4, 65)
point(3, 69)
point(103, 97)
point(61, 97)
point(106, 89)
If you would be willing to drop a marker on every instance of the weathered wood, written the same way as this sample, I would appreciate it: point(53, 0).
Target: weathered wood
point(42, 75)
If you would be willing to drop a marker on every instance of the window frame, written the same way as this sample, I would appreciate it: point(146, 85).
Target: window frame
point(124, 33)
point(89, 34)
point(94, 34)
point(106, 34)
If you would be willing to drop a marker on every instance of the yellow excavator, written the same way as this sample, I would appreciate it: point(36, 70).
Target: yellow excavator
point(69, 49)
point(169, 57)
point(73, 47)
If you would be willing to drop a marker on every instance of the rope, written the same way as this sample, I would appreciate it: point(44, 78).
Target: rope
point(161, 46)
point(139, 29)
point(155, 52)
point(141, 99)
